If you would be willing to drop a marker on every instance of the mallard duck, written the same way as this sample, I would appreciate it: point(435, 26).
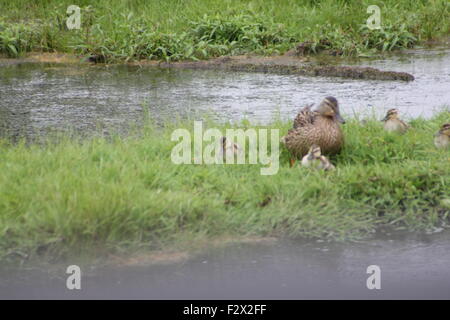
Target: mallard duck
point(315, 159)
point(392, 123)
point(442, 137)
point(229, 147)
point(320, 127)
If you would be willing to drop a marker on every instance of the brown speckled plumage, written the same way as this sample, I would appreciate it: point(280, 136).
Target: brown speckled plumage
point(392, 123)
point(319, 127)
point(304, 117)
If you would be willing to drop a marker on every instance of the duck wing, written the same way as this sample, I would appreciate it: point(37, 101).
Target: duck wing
point(305, 117)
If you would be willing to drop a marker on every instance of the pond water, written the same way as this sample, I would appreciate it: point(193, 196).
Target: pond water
point(38, 98)
point(412, 266)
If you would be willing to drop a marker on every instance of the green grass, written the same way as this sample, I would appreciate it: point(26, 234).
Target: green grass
point(122, 193)
point(198, 29)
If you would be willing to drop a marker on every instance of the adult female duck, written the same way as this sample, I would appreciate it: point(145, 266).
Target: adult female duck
point(320, 127)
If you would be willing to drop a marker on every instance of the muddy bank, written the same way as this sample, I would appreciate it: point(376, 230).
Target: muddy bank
point(291, 65)
point(138, 257)
point(42, 57)
point(287, 64)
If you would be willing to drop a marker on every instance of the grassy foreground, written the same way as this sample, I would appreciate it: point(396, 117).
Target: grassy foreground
point(107, 195)
point(173, 30)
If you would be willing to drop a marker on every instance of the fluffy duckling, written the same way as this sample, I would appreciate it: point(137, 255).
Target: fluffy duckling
point(392, 123)
point(320, 127)
point(442, 137)
point(229, 147)
point(315, 159)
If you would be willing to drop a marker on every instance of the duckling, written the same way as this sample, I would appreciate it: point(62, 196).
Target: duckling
point(229, 147)
point(326, 164)
point(392, 123)
point(315, 159)
point(320, 127)
point(442, 137)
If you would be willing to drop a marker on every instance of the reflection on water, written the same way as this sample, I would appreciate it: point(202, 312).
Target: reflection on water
point(44, 97)
point(412, 267)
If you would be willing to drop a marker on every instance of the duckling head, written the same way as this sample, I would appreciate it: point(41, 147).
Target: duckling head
point(314, 152)
point(445, 130)
point(391, 114)
point(329, 107)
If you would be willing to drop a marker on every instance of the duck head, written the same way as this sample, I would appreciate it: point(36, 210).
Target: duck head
point(329, 107)
point(391, 114)
point(445, 130)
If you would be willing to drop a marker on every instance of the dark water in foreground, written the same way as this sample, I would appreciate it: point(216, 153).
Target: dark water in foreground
point(412, 267)
point(37, 98)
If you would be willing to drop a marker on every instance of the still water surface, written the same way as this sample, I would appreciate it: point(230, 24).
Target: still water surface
point(413, 266)
point(37, 98)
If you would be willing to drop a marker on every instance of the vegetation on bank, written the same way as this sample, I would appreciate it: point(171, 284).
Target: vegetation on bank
point(198, 29)
point(121, 193)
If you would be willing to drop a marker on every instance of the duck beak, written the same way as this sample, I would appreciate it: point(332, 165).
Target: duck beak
point(385, 118)
point(340, 119)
